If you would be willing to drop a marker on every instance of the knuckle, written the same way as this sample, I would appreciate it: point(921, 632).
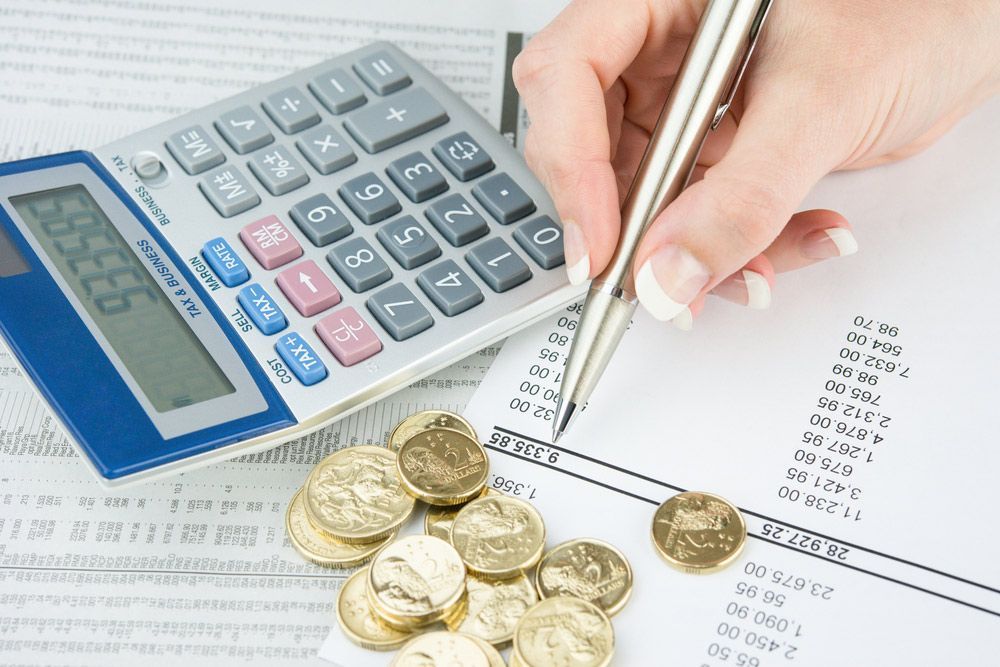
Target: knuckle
point(530, 66)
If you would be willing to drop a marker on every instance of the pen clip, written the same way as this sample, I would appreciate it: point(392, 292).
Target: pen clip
point(755, 28)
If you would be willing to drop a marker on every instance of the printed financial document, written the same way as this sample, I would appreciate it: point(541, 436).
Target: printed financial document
point(195, 569)
point(852, 424)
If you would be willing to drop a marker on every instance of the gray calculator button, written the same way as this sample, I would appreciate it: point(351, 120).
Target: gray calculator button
point(503, 198)
point(244, 130)
point(417, 177)
point(399, 312)
point(369, 198)
point(498, 265)
point(194, 150)
point(291, 110)
point(457, 221)
point(358, 264)
point(449, 288)
point(392, 122)
point(408, 242)
point(542, 239)
point(320, 220)
point(337, 91)
point(382, 73)
point(326, 149)
point(463, 156)
point(228, 191)
point(277, 170)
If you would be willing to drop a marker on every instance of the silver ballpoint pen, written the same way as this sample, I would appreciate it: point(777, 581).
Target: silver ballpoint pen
point(701, 95)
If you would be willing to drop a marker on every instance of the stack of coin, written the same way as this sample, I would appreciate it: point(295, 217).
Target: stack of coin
point(480, 578)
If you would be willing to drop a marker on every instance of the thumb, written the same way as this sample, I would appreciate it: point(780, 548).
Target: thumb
point(730, 216)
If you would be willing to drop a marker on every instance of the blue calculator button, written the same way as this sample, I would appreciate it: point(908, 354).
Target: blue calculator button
point(262, 309)
point(300, 358)
point(225, 262)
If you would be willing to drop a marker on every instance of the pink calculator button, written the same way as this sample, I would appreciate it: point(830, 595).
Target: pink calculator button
point(270, 242)
point(348, 336)
point(308, 288)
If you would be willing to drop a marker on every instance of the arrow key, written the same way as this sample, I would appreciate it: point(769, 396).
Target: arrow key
point(308, 288)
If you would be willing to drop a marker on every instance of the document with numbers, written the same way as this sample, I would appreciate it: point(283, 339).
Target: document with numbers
point(852, 425)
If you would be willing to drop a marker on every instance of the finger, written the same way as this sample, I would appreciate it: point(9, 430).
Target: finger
point(810, 237)
point(750, 286)
point(563, 87)
point(729, 217)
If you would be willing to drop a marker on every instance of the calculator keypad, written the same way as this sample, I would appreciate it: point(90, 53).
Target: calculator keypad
point(300, 357)
point(408, 242)
point(278, 170)
point(450, 288)
point(320, 220)
point(325, 149)
point(290, 110)
point(262, 309)
point(358, 265)
point(416, 177)
point(503, 198)
point(382, 73)
point(308, 288)
point(228, 191)
point(243, 130)
point(368, 197)
point(457, 221)
point(404, 116)
point(348, 337)
point(463, 156)
point(194, 150)
point(399, 312)
point(498, 265)
point(541, 238)
point(270, 242)
point(337, 91)
point(335, 120)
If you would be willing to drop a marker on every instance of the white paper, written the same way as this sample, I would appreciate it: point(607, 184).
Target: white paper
point(910, 564)
point(195, 569)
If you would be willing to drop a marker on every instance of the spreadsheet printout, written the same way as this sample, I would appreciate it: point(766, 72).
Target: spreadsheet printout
point(852, 424)
point(197, 567)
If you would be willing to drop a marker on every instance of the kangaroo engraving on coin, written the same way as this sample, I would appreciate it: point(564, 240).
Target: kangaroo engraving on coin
point(698, 532)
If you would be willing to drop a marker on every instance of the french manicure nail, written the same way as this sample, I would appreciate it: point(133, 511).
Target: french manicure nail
point(827, 243)
point(747, 288)
point(669, 281)
point(684, 320)
point(577, 257)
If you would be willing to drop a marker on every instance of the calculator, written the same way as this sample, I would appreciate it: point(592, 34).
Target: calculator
point(254, 270)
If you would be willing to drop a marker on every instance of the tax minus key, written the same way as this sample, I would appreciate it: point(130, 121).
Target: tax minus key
point(225, 262)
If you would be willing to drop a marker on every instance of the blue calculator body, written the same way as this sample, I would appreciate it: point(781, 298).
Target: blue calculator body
point(257, 269)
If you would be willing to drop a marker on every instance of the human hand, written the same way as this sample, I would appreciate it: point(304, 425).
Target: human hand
point(833, 84)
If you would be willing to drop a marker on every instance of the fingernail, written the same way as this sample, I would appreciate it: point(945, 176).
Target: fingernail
point(684, 320)
point(747, 288)
point(827, 243)
point(669, 281)
point(577, 257)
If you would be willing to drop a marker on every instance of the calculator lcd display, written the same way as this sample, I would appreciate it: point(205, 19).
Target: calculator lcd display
point(168, 362)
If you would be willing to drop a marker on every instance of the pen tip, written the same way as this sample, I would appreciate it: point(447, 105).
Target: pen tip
point(556, 434)
point(565, 412)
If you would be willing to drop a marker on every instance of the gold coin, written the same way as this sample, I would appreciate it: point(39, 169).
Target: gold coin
point(495, 607)
point(499, 537)
point(494, 657)
point(698, 532)
point(438, 520)
point(441, 648)
point(588, 569)
point(442, 467)
point(321, 548)
point(354, 494)
point(415, 581)
point(427, 419)
point(358, 620)
point(564, 631)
